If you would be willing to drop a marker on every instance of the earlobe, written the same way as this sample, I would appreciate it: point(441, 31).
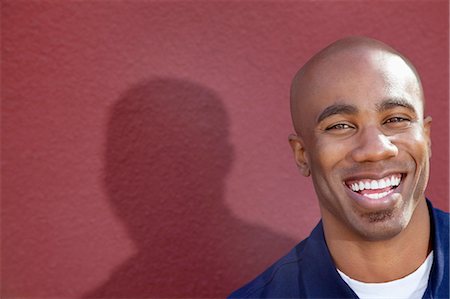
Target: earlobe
point(300, 154)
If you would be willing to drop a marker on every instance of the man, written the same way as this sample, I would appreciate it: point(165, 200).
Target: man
point(358, 112)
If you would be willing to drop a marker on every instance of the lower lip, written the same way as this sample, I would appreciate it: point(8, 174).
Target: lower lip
point(386, 202)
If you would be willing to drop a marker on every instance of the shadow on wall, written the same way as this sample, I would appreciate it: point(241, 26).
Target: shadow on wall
point(167, 158)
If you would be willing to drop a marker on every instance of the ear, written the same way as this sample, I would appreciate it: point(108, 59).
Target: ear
point(427, 131)
point(300, 155)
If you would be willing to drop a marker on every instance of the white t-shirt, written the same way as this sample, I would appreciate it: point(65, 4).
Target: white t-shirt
point(412, 286)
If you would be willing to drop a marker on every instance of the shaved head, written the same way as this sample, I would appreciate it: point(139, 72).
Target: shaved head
point(342, 54)
point(357, 108)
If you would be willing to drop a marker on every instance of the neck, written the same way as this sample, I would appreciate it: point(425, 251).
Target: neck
point(383, 260)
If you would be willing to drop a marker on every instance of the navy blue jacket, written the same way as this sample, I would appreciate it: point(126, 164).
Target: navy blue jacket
point(307, 271)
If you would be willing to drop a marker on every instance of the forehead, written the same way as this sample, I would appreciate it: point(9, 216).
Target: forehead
point(360, 78)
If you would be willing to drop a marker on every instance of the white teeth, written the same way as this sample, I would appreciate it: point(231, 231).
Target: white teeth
point(373, 196)
point(395, 181)
point(361, 186)
point(388, 182)
point(392, 181)
point(377, 195)
point(374, 185)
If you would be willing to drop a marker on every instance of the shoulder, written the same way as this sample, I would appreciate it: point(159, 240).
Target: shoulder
point(279, 280)
point(307, 271)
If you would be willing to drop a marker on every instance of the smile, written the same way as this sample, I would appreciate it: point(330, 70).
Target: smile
point(375, 189)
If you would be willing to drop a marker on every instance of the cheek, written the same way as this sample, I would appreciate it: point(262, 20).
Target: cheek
point(416, 145)
point(420, 152)
point(416, 148)
point(422, 181)
point(326, 155)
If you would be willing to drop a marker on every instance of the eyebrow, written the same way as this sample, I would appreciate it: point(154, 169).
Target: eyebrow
point(395, 102)
point(352, 110)
point(337, 109)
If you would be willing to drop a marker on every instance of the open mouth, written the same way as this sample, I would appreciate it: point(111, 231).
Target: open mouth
point(375, 189)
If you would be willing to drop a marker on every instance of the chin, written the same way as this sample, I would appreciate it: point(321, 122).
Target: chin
point(381, 225)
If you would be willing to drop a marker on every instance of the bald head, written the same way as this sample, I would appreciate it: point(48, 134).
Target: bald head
point(356, 53)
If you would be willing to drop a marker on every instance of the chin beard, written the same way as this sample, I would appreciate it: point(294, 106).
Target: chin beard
point(382, 225)
point(379, 216)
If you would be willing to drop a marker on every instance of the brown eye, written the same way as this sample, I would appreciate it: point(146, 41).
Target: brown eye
point(396, 120)
point(339, 127)
point(397, 123)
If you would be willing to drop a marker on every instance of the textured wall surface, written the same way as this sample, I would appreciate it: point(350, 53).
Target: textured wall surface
point(144, 143)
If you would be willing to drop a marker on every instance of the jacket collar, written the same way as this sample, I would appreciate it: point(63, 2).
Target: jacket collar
point(440, 251)
point(320, 279)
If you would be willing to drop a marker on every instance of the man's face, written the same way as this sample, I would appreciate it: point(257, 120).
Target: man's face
point(365, 142)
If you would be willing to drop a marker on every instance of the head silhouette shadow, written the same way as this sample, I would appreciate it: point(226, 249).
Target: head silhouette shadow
point(166, 159)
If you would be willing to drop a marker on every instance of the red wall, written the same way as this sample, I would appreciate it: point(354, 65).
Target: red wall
point(144, 143)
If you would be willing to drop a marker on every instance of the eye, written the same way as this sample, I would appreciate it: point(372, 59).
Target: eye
point(397, 120)
point(339, 127)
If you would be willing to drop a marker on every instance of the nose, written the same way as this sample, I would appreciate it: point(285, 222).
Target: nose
point(372, 145)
